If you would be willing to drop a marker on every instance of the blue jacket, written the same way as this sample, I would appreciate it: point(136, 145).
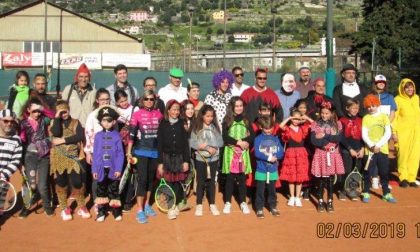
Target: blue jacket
point(266, 146)
point(108, 152)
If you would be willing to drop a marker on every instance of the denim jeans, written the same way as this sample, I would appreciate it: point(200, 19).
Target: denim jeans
point(37, 171)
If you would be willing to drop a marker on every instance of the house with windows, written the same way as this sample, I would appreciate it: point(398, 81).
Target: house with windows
point(66, 32)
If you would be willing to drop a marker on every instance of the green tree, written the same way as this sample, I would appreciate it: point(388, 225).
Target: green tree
point(394, 24)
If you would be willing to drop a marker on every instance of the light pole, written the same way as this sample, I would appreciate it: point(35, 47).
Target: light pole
point(373, 54)
point(330, 74)
point(274, 11)
point(259, 53)
point(190, 11)
point(301, 54)
point(224, 35)
point(183, 56)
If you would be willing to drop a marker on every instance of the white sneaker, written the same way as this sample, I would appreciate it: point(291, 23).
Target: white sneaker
point(172, 214)
point(176, 211)
point(199, 210)
point(214, 210)
point(84, 213)
point(298, 202)
point(226, 209)
point(244, 208)
point(375, 183)
point(100, 218)
point(291, 201)
point(118, 218)
point(417, 182)
point(66, 214)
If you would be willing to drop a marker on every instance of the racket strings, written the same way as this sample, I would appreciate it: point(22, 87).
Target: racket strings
point(7, 196)
point(165, 197)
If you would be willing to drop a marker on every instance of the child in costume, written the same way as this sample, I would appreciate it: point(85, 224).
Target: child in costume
point(237, 136)
point(19, 93)
point(107, 164)
point(379, 147)
point(327, 162)
point(295, 167)
point(206, 140)
point(66, 165)
point(268, 152)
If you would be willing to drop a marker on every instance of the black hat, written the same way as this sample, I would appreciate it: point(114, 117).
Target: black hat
point(348, 67)
point(107, 112)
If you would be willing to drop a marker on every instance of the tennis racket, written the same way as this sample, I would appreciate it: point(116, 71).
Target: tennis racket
point(186, 184)
point(8, 196)
point(353, 184)
point(28, 195)
point(375, 133)
point(124, 177)
point(207, 137)
point(164, 196)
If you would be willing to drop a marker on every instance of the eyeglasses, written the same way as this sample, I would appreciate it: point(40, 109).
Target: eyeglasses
point(149, 99)
point(261, 78)
point(239, 74)
point(107, 119)
point(36, 111)
point(7, 121)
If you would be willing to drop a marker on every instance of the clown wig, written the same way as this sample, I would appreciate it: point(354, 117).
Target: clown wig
point(219, 77)
point(371, 100)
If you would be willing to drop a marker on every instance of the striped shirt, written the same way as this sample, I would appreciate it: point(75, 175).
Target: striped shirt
point(10, 155)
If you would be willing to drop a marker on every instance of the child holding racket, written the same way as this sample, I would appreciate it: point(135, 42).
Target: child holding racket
point(268, 152)
point(376, 131)
point(237, 135)
point(206, 140)
point(295, 167)
point(327, 162)
point(173, 152)
point(351, 144)
point(107, 164)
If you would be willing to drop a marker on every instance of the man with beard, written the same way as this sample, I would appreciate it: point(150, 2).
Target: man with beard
point(304, 84)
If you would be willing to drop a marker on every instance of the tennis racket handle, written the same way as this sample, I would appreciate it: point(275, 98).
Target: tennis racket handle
point(208, 172)
point(268, 178)
point(368, 162)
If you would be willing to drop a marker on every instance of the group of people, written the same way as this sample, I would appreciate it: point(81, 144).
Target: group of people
point(247, 138)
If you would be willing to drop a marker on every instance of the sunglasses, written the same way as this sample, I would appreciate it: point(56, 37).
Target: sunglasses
point(240, 74)
point(108, 119)
point(149, 99)
point(261, 78)
point(36, 111)
point(8, 121)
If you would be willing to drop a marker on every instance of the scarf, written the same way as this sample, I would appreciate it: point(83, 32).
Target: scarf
point(194, 102)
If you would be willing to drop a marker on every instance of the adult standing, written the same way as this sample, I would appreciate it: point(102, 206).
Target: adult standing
point(258, 94)
point(150, 83)
point(80, 95)
point(10, 144)
point(220, 97)
point(121, 82)
point(40, 91)
point(304, 83)
point(406, 132)
point(315, 99)
point(348, 89)
point(174, 90)
point(238, 86)
point(193, 89)
point(287, 94)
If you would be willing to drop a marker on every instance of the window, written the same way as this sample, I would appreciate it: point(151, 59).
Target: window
point(38, 46)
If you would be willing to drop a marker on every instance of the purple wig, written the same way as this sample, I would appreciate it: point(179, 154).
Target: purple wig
point(219, 77)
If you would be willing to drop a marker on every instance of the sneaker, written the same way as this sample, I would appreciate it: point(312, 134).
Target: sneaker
point(404, 184)
point(375, 183)
point(330, 207)
point(389, 198)
point(291, 201)
point(413, 184)
point(141, 217)
point(199, 210)
point(226, 209)
point(341, 195)
point(49, 211)
point(298, 202)
point(305, 195)
point(126, 208)
point(320, 207)
point(24, 213)
point(365, 197)
point(172, 214)
point(244, 208)
point(118, 218)
point(100, 217)
point(148, 210)
point(214, 210)
point(176, 211)
point(260, 214)
point(95, 209)
point(66, 214)
point(84, 213)
point(417, 182)
point(275, 212)
point(183, 206)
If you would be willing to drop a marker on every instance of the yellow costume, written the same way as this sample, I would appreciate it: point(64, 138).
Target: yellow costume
point(406, 126)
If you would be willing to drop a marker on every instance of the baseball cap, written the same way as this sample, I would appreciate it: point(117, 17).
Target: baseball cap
point(380, 78)
point(176, 72)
